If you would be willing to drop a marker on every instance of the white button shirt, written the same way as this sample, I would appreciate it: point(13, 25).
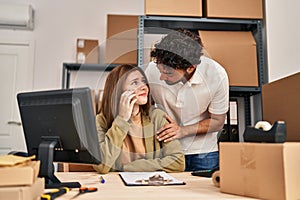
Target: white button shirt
point(189, 103)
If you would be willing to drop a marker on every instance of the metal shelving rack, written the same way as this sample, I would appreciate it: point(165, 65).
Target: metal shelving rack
point(68, 67)
point(161, 25)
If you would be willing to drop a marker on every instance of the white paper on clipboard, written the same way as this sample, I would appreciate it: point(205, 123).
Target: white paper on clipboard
point(136, 178)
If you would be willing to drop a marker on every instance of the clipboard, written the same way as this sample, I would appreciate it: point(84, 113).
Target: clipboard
point(159, 178)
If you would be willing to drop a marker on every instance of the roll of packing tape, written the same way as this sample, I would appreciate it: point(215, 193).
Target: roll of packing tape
point(264, 125)
point(216, 178)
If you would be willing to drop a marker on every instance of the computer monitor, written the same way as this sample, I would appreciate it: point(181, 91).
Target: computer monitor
point(59, 126)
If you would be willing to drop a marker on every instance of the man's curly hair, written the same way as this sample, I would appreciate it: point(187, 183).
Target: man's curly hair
point(179, 49)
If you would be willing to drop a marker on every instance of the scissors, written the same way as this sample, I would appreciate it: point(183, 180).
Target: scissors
point(83, 190)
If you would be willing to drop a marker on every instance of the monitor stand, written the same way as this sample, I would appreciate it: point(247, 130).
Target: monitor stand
point(46, 155)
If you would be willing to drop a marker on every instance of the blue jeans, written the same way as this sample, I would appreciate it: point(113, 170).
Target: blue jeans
point(202, 161)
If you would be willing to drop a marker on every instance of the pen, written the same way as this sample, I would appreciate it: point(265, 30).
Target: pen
point(102, 179)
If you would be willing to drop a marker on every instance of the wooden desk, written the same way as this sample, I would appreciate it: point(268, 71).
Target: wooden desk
point(113, 188)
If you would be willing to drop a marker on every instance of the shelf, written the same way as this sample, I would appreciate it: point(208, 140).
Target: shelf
point(68, 67)
point(239, 91)
point(167, 23)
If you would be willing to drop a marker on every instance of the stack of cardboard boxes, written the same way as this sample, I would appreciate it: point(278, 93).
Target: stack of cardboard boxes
point(241, 9)
point(19, 178)
point(265, 170)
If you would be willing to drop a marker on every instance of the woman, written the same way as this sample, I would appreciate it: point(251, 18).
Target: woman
point(127, 128)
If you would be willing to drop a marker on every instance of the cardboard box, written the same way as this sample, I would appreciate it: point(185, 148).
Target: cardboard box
point(121, 51)
point(280, 101)
point(190, 8)
point(74, 167)
point(242, 9)
point(236, 52)
point(260, 170)
point(89, 49)
point(19, 175)
point(121, 39)
point(30, 192)
point(122, 27)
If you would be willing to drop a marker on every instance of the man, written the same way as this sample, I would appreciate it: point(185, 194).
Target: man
point(194, 90)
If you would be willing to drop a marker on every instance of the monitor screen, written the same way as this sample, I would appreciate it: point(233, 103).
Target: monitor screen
point(59, 123)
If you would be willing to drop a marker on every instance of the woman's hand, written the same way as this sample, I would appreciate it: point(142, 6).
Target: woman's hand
point(127, 102)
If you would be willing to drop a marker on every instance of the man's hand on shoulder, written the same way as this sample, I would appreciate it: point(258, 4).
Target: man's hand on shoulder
point(170, 131)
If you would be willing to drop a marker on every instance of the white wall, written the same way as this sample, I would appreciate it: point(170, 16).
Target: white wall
point(283, 40)
point(58, 23)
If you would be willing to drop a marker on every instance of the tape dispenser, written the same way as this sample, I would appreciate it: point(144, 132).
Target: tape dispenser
point(264, 132)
